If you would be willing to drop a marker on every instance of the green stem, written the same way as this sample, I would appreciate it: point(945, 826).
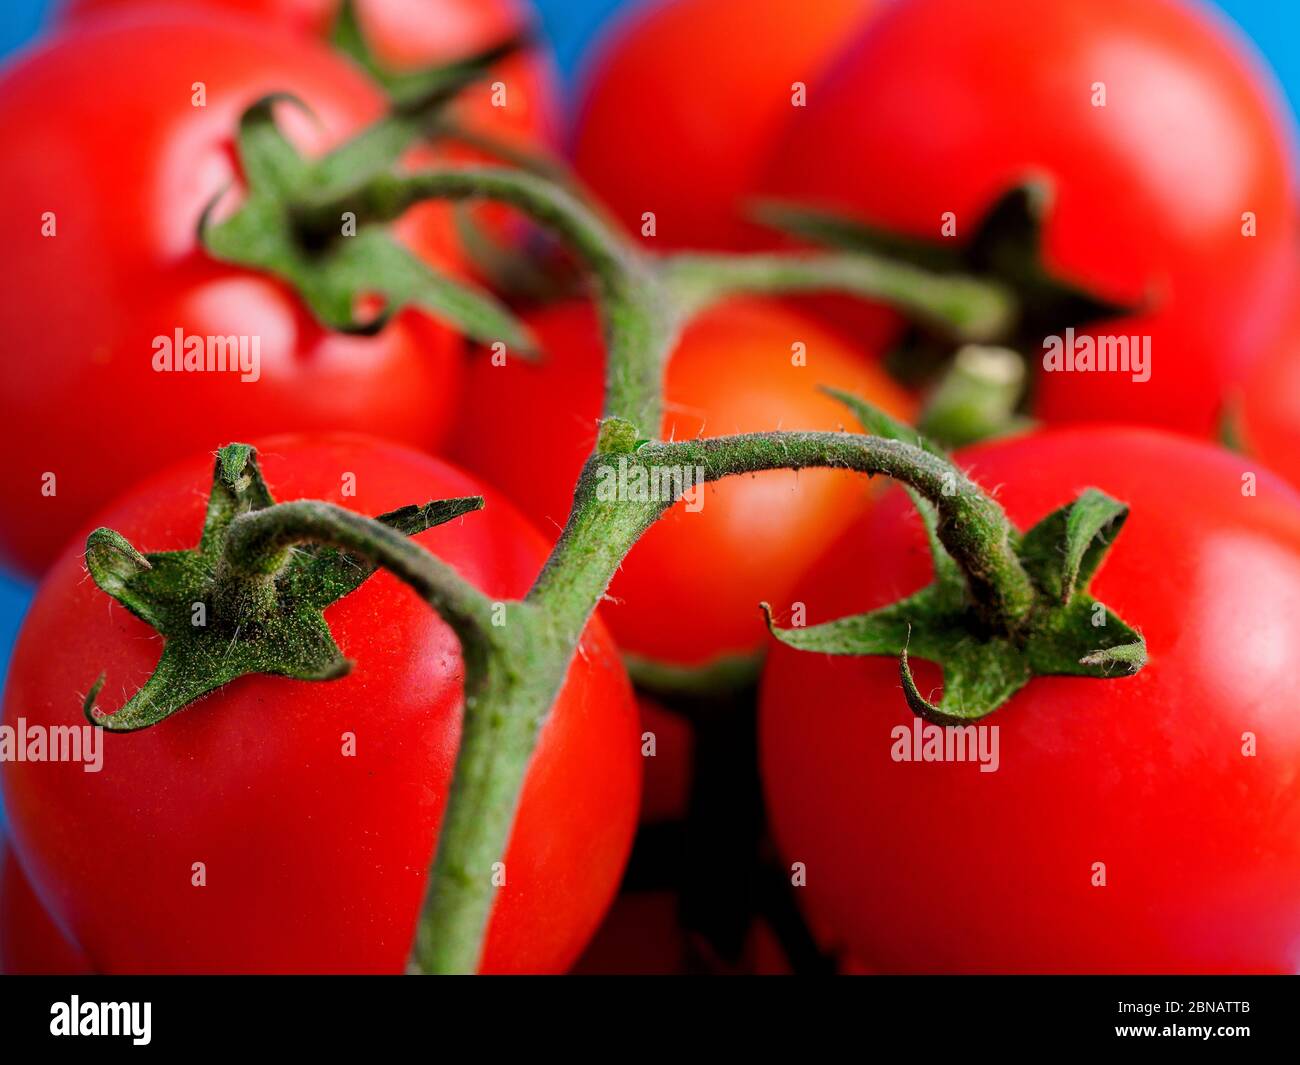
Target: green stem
point(965, 307)
point(973, 528)
point(976, 398)
point(386, 197)
point(639, 324)
point(514, 671)
point(502, 724)
point(506, 703)
point(644, 301)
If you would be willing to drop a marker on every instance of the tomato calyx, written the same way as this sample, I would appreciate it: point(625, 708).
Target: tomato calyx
point(986, 660)
point(1007, 249)
point(221, 618)
point(353, 277)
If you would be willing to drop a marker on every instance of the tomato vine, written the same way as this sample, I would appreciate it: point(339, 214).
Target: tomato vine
point(1002, 590)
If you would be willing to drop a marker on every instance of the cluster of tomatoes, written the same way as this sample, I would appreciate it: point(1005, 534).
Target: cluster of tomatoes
point(738, 810)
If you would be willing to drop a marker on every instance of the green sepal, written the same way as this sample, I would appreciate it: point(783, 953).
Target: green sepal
point(1063, 551)
point(216, 627)
point(978, 677)
point(1068, 641)
point(878, 423)
point(1068, 632)
point(270, 163)
point(1008, 245)
point(332, 271)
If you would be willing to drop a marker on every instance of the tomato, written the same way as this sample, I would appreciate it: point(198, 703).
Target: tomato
point(1176, 785)
point(124, 164)
point(409, 35)
point(1270, 405)
point(684, 103)
point(941, 105)
point(314, 860)
point(30, 944)
point(689, 591)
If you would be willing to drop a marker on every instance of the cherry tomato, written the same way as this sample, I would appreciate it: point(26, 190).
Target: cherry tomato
point(1149, 824)
point(1270, 406)
point(689, 591)
point(30, 944)
point(117, 166)
point(684, 103)
point(412, 34)
point(314, 859)
point(1163, 140)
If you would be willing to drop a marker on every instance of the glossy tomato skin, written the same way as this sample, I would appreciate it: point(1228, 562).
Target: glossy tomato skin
point(30, 944)
point(685, 100)
point(938, 867)
point(408, 35)
point(1151, 190)
point(315, 861)
point(117, 158)
point(689, 591)
point(1270, 405)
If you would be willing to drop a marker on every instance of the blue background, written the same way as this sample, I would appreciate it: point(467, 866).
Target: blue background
point(571, 24)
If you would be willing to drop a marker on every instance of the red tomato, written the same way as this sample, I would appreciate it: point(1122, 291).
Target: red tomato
point(314, 861)
point(30, 944)
point(124, 164)
point(685, 101)
point(1270, 408)
point(690, 589)
point(938, 867)
point(411, 34)
point(943, 104)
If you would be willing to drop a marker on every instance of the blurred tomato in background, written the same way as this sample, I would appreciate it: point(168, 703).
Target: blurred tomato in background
point(688, 593)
